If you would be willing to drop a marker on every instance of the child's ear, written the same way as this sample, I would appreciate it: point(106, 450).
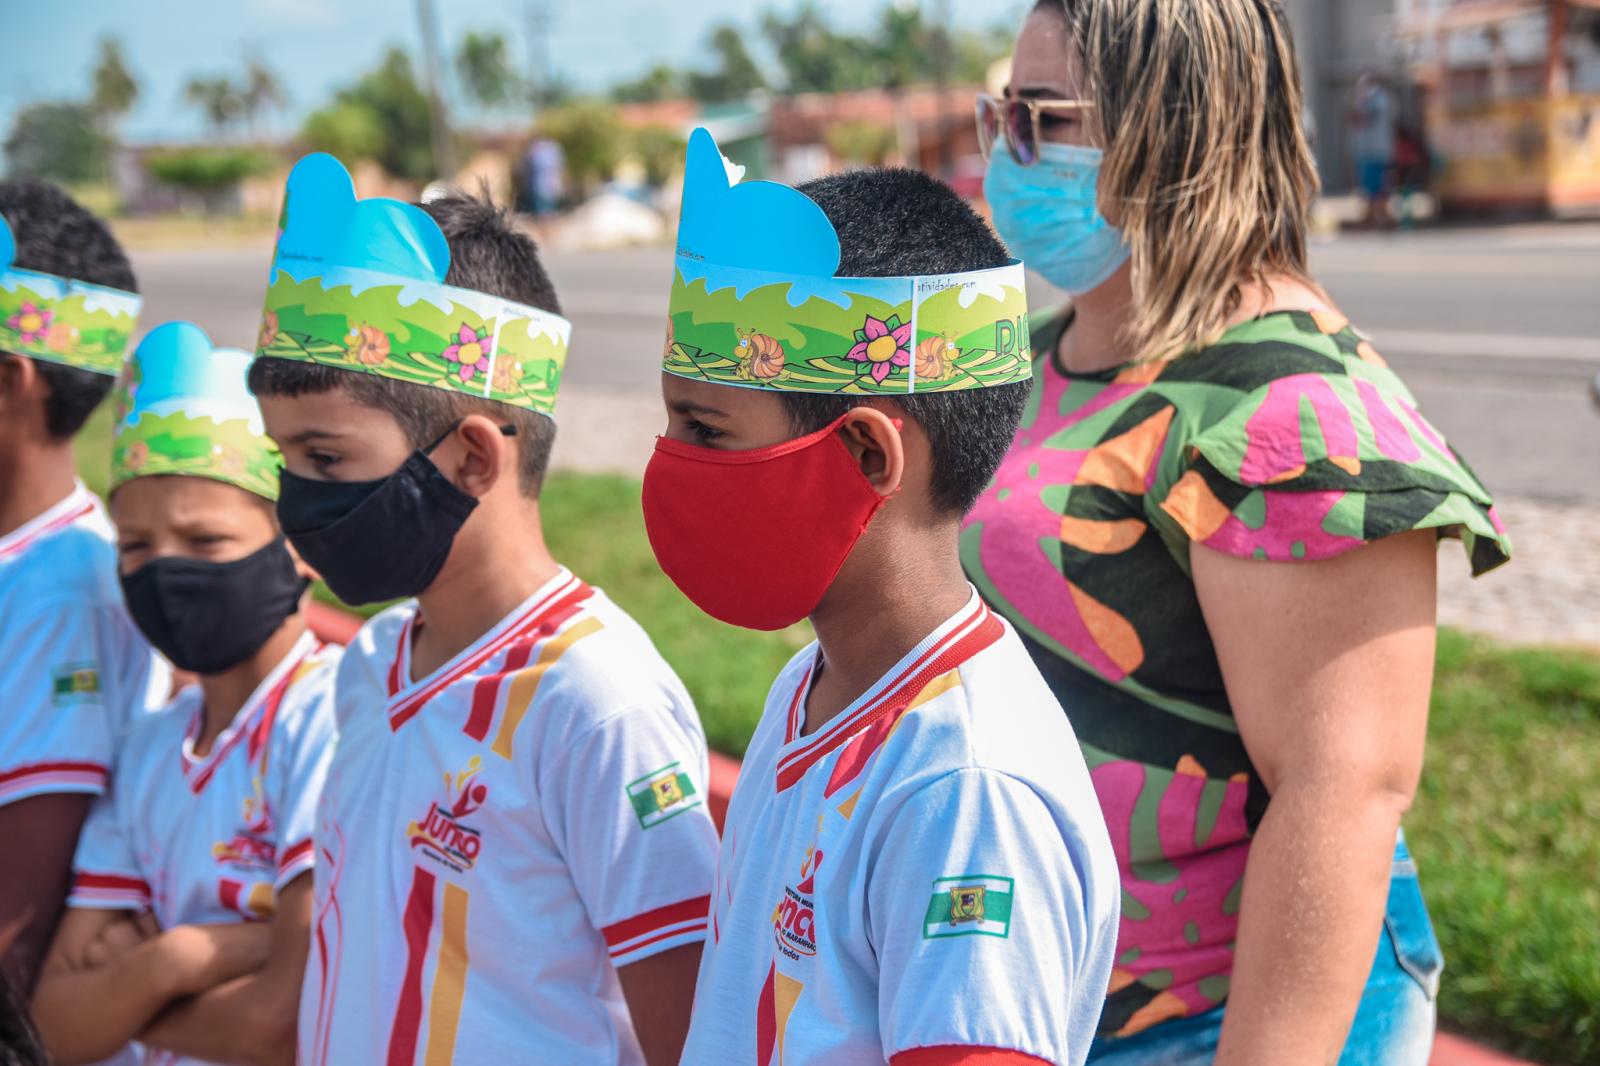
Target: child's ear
point(303, 568)
point(874, 440)
point(481, 455)
point(17, 379)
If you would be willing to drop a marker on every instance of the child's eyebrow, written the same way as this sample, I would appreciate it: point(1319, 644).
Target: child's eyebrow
point(689, 407)
point(306, 436)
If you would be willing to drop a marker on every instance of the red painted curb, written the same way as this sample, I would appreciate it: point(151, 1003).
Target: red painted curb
point(1452, 1050)
point(332, 624)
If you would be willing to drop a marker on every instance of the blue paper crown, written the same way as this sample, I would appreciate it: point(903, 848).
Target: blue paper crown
point(62, 320)
point(360, 285)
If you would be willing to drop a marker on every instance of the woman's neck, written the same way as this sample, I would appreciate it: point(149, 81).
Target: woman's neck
point(224, 694)
point(1092, 341)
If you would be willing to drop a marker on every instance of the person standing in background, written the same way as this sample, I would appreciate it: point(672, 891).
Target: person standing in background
point(1373, 126)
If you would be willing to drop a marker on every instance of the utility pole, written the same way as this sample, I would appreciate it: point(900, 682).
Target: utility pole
point(444, 152)
point(941, 73)
point(539, 19)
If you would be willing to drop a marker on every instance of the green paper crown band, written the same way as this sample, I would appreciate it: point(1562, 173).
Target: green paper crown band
point(435, 335)
point(184, 408)
point(875, 336)
point(60, 320)
point(359, 285)
point(756, 302)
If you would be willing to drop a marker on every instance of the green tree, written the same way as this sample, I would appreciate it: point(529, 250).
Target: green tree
point(659, 150)
point(218, 99)
point(815, 57)
point(394, 129)
point(736, 74)
point(113, 88)
point(591, 135)
point(662, 82)
point(260, 92)
point(57, 142)
point(484, 64)
point(209, 173)
point(861, 143)
point(349, 131)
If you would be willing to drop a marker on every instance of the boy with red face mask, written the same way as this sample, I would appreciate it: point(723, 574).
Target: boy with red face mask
point(514, 856)
point(915, 868)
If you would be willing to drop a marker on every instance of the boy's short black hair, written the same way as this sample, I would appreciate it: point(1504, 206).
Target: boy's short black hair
point(487, 254)
point(56, 235)
point(895, 223)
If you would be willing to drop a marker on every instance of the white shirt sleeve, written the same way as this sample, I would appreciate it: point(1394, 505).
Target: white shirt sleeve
point(105, 873)
point(976, 909)
point(59, 726)
point(299, 770)
point(627, 805)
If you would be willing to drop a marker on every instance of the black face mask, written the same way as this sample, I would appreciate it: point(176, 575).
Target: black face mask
point(207, 617)
point(376, 540)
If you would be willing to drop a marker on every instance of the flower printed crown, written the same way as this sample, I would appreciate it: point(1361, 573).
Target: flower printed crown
point(61, 320)
point(359, 285)
point(183, 407)
point(755, 302)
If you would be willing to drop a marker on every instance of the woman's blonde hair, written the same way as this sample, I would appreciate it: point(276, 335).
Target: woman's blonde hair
point(1207, 167)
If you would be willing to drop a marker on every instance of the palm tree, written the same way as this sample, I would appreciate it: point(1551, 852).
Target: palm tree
point(114, 89)
point(218, 100)
point(261, 91)
point(486, 70)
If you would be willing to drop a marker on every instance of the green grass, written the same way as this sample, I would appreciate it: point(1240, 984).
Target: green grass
point(1507, 835)
point(1504, 829)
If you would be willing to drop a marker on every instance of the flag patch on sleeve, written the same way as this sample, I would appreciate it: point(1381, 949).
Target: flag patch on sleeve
point(75, 684)
point(662, 794)
point(970, 905)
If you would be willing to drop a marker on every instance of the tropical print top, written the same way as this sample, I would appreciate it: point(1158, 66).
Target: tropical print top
point(1288, 439)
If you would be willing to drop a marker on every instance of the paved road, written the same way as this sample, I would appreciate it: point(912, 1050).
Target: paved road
point(1497, 331)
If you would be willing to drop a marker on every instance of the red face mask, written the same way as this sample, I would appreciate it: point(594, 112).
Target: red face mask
point(754, 538)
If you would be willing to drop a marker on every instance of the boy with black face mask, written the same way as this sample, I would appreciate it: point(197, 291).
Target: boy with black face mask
point(519, 858)
point(73, 670)
point(915, 868)
point(206, 833)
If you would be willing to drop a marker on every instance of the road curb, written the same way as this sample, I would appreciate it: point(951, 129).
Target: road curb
point(332, 624)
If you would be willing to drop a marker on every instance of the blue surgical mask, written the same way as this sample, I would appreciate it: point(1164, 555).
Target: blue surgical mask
point(1049, 215)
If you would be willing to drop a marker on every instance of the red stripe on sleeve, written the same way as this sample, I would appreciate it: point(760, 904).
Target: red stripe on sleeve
point(408, 1012)
point(32, 769)
point(951, 1055)
point(294, 855)
point(111, 882)
point(672, 914)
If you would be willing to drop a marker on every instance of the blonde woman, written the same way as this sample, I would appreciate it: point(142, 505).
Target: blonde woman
point(1216, 532)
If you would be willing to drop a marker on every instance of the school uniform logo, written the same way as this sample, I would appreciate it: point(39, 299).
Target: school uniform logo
point(662, 794)
point(794, 919)
point(254, 845)
point(75, 683)
point(443, 835)
point(970, 905)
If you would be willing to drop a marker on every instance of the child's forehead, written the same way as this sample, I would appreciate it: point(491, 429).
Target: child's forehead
point(334, 413)
point(182, 497)
point(717, 400)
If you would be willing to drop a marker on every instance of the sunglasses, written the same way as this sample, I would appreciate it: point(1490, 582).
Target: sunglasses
point(1023, 122)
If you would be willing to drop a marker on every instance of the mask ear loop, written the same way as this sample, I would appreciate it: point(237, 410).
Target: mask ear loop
point(506, 430)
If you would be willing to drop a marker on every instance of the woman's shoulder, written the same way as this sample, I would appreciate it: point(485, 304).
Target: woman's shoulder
point(1282, 344)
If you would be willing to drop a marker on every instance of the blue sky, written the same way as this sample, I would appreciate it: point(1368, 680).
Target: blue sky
point(318, 45)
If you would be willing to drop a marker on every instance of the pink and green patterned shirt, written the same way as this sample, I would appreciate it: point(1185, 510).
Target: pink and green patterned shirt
point(1289, 439)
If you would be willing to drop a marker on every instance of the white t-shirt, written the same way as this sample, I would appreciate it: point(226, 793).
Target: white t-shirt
point(930, 869)
point(74, 669)
point(211, 840)
point(498, 837)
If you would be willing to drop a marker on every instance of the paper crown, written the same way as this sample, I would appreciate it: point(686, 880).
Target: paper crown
point(359, 285)
point(755, 302)
point(182, 407)
point(61, 320)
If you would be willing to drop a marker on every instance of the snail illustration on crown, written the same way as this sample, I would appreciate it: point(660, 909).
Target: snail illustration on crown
point(359, 285)
point(756, 301)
